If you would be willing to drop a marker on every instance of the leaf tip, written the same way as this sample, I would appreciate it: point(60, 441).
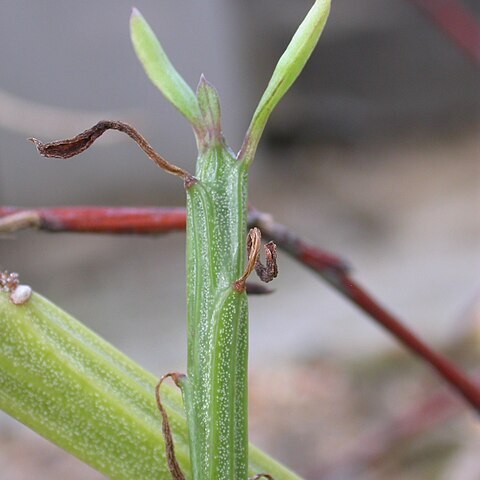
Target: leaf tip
point(135, 13)
point(201, 86)
point(38, 144)
point(209, 104)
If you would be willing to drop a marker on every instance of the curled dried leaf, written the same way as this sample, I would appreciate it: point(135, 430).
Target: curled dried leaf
point(74, 146)
point(267, 272)
point(172, 462)
point(254, 241)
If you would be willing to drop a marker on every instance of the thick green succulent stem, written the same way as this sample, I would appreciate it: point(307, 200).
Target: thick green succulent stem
point(216, 387)
point(72, 387)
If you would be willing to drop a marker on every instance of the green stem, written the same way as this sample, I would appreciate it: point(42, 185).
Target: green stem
point(72, 387)
point(216, 388)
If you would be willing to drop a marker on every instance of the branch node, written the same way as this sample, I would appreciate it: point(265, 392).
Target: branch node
point(189, 181)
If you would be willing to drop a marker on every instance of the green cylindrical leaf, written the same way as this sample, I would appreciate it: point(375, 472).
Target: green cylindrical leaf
point(288, 68)
point(161, 71)
point(75, 389)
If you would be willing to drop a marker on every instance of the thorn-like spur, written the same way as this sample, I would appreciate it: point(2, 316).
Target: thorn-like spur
point(266, 272)
point(76, 145)
point(172, 462)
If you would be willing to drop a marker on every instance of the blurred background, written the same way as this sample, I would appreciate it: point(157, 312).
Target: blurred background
point(374, 154)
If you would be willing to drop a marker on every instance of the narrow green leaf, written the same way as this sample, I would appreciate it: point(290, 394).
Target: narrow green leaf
point(288, 68)
point(161, 71)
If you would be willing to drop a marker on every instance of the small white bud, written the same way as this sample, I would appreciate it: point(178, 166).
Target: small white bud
point(21, 295)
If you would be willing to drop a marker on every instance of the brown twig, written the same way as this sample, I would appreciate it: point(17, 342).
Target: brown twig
point(337, 275)
point(331, 268)
point(123, 220)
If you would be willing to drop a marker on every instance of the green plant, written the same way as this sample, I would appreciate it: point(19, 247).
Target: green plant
point(72, 387)
point(77, 390)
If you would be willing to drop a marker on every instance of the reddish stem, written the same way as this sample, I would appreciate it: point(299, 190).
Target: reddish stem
point(331, 268)
point(335, 272)
point(457, 22)
point(116, 220)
